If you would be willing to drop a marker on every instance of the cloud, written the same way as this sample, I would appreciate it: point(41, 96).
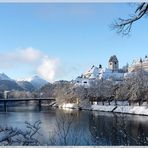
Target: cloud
point(48, 68)
point(29, 55)
point(20, 56)
point(33, 60)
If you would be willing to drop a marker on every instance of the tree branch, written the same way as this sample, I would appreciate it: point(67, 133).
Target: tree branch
point(123, 26)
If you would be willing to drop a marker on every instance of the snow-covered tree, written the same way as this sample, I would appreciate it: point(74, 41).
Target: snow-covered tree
point(135, 87)
point(138, 86)
point(123, 26)
point(100, 90)
point(15, 136)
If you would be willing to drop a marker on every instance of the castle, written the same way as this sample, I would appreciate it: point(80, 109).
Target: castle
point(113, 72)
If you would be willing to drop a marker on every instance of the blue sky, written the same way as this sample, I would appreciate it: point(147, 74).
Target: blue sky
point(61, 40)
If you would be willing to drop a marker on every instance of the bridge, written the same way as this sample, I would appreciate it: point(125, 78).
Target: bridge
point(39, 100)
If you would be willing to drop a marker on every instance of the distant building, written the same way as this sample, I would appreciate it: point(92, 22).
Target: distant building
point(111, 73)
point(138, 64)
point(113, 63)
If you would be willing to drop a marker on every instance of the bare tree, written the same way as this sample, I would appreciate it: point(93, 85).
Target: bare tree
point(123, 26)
point(138, 86)
point(66, 131)
point(134, 88)
point(101, 90)
point(15, 136)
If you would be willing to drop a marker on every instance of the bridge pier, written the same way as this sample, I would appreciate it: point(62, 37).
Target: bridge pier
point(5, 106)
point(40, 105)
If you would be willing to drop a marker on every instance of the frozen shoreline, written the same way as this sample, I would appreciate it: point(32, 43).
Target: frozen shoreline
point(137, 110)
point(134, 109)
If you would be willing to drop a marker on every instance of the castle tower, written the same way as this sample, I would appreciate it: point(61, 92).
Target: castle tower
point(113, 63)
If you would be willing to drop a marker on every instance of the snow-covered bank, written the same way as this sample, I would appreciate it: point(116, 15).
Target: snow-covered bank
point(103, 108)
point(138, 110)
point(69, 105)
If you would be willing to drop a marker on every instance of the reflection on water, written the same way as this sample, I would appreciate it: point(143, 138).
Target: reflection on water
point(118, 129)
point(80, 127)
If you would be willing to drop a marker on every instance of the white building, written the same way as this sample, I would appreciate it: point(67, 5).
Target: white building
point(138, 64)
point(111, 73)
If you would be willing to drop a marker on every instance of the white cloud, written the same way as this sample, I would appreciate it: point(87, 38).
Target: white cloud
point(20, 56)
point(29, 55)
point(34, 60)
point(48, 68)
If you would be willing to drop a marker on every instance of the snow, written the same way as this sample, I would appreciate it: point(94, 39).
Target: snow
point(138, 110)
point(122, 107)
point(98, 73)
point(4, 77)
point(119, 103)
point(107, 74)
point(68, 105)
point(103, 108)
point(36, 81)
point(92, 73)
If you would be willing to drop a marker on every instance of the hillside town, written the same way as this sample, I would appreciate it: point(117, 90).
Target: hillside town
point(113, 72)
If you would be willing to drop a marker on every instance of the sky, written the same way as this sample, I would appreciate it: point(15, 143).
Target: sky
point(60, 41)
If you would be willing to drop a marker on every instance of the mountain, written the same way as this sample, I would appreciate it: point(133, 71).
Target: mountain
point(31, 84)
point(4, 77)
point(37, 82)
point(26, 85)
point(9, 85)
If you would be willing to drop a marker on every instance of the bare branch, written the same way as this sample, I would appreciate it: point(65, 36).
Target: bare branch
point(123, 26)
point(10, 135)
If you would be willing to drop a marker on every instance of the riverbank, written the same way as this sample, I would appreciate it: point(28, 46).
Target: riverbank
point(119, 108)
point(137, 110)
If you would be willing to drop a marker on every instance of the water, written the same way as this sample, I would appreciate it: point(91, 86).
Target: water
point(82, 127)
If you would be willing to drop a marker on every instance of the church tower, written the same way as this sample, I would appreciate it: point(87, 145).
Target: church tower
point(113, 63)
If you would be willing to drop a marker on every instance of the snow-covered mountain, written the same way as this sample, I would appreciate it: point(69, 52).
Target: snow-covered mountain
point(36, 81)
point(3, 76)
point(30, 84)
point(7, 83)
point(27, 86)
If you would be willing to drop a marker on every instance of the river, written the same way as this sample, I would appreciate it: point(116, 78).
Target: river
point(84, 127)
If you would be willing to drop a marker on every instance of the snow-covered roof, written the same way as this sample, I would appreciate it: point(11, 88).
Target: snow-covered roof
point(99, 73)
point(109, 74)
point(93, 72)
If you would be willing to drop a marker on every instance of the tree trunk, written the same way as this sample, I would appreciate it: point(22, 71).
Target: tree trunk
point(97, 101)
point(129, 102)
point(109, 102)
point(115, 102)
point(102, 102)
point(139, 102)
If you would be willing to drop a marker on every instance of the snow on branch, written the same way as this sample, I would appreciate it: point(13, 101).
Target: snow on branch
point(123, 26)
point(15, 136)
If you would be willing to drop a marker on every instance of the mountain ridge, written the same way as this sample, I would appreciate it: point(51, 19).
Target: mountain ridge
point(32, 84)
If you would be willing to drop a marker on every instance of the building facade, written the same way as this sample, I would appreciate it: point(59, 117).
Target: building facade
point(139, 64)
point(113, 63)
point(111, 73)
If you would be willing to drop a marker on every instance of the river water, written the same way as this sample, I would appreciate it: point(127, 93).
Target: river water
point(79, 127)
